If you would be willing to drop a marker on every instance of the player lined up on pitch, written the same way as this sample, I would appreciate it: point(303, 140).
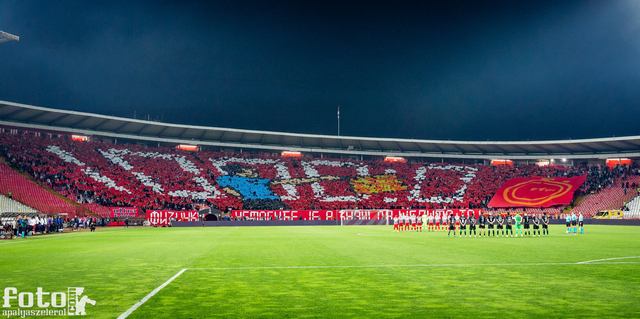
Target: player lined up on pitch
point(573, 222)
point(484, 225)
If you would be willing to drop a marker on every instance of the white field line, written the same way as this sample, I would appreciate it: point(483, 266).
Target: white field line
point(607, 259)
point(408, 266)
point(150, 295)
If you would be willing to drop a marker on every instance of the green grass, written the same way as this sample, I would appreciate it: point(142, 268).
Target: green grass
point(451, 277)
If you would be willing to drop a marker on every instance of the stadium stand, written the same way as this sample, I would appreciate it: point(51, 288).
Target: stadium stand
point(8, 205)
point(30, 193)
point(95, 174)
point(610, 197)
point(632, 208)
point(95, 209)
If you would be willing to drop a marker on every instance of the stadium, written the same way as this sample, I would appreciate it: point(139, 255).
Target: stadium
point(112, 215)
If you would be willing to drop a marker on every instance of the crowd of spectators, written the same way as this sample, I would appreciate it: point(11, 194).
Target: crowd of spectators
point(600, 177)
point(108, 174)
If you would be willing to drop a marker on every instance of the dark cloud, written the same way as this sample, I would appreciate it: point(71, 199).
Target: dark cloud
point(453, 70)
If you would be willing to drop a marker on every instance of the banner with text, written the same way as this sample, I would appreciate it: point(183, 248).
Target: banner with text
point(536, 192)
point(123, 212)
point(345, 214)
point(163, 217)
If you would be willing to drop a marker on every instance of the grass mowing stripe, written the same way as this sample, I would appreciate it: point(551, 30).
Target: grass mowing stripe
point(417, 265)
point(66, 235)
point(119, 267)
point(150, 295)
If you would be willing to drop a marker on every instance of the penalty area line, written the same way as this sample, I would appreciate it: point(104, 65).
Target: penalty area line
point(150, 295)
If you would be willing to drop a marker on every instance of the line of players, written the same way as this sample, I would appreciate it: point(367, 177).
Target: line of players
point(484, 225)
point(572, 222)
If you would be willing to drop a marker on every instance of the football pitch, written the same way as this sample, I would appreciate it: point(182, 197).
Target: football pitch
point(333, 272)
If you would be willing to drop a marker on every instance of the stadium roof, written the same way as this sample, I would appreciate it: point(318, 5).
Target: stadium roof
point(35, 117)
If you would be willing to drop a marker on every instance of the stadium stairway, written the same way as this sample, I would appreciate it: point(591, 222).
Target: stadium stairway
point(8, 205)
point(633, 208)
point(31, 194)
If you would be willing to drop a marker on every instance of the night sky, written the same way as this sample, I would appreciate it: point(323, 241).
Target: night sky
point(513, 70)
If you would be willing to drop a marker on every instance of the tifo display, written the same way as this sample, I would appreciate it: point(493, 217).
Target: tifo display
point(99, 174)
point(345, 214)
point(536, 192)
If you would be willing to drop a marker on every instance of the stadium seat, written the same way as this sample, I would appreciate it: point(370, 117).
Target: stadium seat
point(8, 205)
point(610, 197)
point(31, 194)
point(95, 175)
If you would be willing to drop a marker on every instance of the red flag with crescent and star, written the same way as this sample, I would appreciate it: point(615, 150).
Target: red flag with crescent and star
point(536, 192)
